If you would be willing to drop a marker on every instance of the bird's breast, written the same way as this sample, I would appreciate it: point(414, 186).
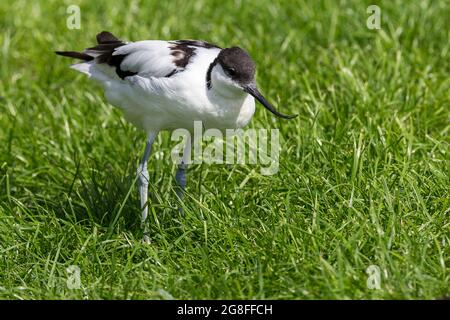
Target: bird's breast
point(225, 113)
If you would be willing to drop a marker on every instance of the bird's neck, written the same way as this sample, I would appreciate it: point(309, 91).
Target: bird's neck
point(221, 89)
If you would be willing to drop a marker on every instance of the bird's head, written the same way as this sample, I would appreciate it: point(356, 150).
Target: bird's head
point(233, 73)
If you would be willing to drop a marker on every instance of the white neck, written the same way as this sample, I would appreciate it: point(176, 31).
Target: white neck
point(224, 85)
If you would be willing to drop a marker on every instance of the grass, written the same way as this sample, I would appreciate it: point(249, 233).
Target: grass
point(364, 170)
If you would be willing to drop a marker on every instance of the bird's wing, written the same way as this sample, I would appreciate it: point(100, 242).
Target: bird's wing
point(150, 58)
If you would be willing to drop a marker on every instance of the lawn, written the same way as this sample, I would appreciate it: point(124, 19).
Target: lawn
point(363, 182)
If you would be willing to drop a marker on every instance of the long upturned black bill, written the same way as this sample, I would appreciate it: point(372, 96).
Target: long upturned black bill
point(251, 89)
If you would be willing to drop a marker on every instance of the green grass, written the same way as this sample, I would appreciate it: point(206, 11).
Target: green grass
point(364, 170)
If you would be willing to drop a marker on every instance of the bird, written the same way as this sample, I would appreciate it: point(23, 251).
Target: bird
point(164, 85)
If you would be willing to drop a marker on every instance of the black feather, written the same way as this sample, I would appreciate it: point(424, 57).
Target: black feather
point(75, 54)
point(107, 43)
point(106, 37)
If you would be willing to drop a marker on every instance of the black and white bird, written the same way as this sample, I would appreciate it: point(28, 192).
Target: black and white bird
point(166, 85)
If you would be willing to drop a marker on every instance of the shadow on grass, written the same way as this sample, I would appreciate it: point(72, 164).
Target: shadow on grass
point(109, 199)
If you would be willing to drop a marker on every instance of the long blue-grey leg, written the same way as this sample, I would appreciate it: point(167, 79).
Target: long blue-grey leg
point(180, 176)
point(143, 180)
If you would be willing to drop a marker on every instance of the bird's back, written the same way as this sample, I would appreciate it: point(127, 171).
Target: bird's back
point(157, 84)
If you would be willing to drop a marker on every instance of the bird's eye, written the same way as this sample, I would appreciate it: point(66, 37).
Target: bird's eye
point(230, 71)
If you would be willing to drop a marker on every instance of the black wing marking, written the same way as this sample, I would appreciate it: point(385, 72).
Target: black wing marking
point(197, 43)
point(106, 37)
point(184, 50)
point(107, 43)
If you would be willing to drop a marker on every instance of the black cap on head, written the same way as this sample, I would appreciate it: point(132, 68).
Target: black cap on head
point(237, 64)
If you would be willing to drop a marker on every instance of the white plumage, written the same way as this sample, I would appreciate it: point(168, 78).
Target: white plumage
point(154, 102)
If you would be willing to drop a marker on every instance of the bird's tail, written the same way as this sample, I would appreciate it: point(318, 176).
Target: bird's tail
point(98, 61)
point(75, 54)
